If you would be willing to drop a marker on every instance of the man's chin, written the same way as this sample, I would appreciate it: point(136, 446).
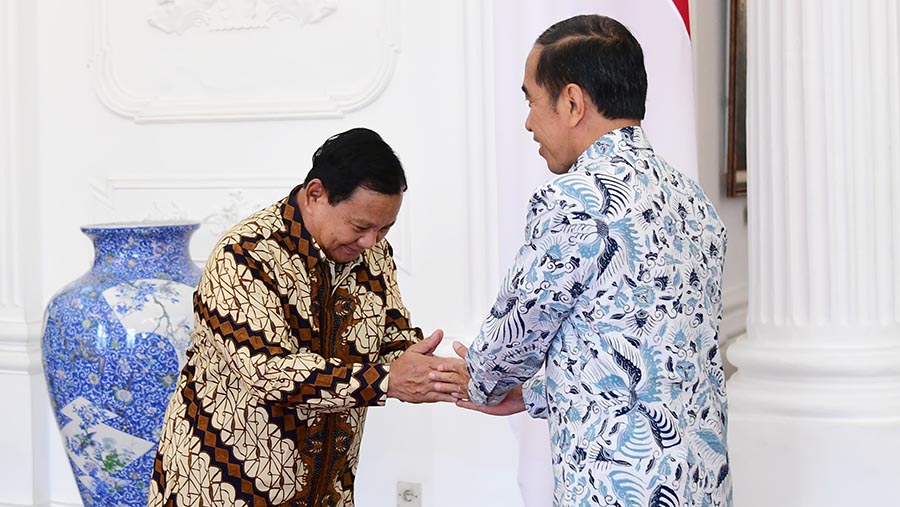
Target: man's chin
point(344, 255)
point(552, 166)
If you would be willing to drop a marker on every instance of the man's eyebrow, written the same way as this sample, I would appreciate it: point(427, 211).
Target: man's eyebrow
point(365, 224)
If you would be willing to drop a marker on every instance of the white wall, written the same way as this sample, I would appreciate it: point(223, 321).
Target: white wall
point(104, 117)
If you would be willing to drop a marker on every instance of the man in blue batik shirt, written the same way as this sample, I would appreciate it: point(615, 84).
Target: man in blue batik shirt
point(616, 292)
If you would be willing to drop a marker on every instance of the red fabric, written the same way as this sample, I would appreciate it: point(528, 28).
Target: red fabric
point(684, 10)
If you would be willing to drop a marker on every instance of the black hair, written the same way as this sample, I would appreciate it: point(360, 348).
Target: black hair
point(602, 57)
point(356, 158)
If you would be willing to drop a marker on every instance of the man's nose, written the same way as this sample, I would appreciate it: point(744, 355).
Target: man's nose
point(368, 239)
point(528, 122)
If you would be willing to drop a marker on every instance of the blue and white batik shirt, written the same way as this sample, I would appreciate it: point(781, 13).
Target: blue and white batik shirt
point(617, 292)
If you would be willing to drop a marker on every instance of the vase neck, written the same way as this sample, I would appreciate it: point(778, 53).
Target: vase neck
point(141, 246)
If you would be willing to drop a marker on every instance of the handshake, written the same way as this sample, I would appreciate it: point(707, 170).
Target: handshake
point(418, 376)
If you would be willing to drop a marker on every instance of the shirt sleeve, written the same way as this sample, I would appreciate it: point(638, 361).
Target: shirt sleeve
point(240, 310)
point(551, 270)
point(398, 332)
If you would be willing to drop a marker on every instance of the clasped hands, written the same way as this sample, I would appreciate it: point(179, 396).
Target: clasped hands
point(418, 376)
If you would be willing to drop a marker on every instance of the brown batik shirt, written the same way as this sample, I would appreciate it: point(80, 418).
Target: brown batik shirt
point(288, 351)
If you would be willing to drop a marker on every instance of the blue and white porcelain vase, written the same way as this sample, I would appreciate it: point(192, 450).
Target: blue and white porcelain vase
point(113, 344)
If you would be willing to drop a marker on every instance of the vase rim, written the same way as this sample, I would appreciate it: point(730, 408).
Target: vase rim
point(145, 224)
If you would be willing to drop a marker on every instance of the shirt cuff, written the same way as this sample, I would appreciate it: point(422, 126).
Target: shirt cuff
point(479, 392)
point(534, 394)
point(372, 388)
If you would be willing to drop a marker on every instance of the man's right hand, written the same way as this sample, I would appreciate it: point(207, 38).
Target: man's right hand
point(409, 377)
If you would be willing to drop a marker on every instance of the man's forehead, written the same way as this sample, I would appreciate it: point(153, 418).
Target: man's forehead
point(533, 56)
point(528, 84)
point(367, 208)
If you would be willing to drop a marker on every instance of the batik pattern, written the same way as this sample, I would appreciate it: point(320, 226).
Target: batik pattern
point(285, 358)
point(617, 293)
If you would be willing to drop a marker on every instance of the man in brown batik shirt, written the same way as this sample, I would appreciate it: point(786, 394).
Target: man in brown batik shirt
point(299, 328)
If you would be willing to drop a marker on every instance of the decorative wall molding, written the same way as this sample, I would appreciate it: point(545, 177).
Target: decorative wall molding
point(104, 190)
point(235, 208)
point(481, 175)
point(122, 98)
point(20, 275)
point(10, 299)
point(20, 351)
point(20, 359)
point(178, 16)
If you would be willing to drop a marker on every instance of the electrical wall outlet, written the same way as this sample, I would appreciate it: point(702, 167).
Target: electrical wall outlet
point(409, 494)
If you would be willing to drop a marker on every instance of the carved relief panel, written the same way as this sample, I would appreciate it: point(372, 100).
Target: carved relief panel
point(190, 60)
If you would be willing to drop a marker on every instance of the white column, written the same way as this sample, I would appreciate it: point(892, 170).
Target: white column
point(23, 426)
point(815, 404)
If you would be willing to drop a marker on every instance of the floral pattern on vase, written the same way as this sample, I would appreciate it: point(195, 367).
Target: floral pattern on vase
point(113, 343)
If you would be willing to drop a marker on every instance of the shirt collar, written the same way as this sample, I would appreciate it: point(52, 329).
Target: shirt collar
point(302, 241)
point(614, 142)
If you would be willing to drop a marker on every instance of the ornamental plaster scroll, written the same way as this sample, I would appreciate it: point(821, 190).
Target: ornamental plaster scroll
point(161, 79)
point(178, 16)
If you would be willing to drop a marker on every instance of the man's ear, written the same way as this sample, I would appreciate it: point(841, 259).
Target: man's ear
point(575, 103)
point(314, 192)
